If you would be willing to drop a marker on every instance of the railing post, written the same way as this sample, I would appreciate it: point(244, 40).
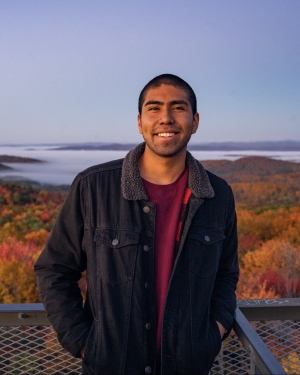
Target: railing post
point(263, 360)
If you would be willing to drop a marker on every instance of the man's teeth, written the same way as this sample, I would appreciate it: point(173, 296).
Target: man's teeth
point(166, 134)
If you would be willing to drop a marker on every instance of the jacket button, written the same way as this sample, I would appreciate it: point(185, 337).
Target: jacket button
point(146, 209)
point(147, 285)
point(148, 370)
point(207, 238)
point(115, 242)
point(148, 326)
point(146, 248)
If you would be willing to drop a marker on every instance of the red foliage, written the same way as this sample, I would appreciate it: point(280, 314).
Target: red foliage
point(20, 251)
point(280, 284)
point(45, 217)
point(248, 243)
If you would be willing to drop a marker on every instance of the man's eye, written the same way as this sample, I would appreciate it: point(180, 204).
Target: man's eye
point(179, 108)
point(153, 108)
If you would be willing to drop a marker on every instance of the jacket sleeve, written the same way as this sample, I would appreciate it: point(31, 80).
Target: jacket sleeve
point(58, 269)
point(223, 302)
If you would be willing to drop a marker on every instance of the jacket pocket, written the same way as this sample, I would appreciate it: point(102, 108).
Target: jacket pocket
point(204, 248)
point(116, 254)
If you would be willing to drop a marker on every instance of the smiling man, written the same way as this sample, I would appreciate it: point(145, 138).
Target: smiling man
point(156, 234)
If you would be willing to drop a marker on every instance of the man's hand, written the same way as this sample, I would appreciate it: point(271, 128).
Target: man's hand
point(222, 329)
point(83, 350)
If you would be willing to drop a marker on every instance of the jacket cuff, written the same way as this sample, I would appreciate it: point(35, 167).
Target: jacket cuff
point(75, 344)
point(225, 319)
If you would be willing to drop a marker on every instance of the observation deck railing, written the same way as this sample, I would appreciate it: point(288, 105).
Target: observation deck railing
point(265, 340)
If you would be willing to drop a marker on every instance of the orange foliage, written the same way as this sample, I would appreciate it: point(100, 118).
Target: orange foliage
point(24, 210)
point(277, 255)
point(26, 218)
point(37, 238)
point(249, 287)
point(267, 195)
point(283, 223)
point(260, 194)
point(17, 282)
point(272, 270)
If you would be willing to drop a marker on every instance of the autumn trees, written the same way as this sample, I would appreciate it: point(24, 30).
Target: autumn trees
point(26, 218)
point(267, 194)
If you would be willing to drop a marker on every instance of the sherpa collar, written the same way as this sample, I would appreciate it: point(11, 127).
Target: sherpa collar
point(132, 184)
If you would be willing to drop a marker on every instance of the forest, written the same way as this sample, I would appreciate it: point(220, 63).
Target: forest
point(267, 194)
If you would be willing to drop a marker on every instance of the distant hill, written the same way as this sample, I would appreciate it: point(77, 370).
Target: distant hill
point(4, 167)
point(247, 146)
point(250, 165)
point(17, 159)
point(212, 146)
point(259, 182)
point(21, 181)
point(103, 147)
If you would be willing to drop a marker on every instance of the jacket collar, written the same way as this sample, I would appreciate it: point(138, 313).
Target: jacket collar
point(132, 184)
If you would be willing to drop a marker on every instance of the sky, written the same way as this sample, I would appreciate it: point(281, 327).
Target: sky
point(72, 70)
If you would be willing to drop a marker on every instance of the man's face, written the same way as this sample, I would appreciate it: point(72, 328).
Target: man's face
point(167, 121)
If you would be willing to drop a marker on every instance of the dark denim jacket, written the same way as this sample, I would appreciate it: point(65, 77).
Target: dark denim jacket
point(107, 226)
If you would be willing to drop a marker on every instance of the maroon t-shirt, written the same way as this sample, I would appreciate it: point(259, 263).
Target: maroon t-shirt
point(168, 200)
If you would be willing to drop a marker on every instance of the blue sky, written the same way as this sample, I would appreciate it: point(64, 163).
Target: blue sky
point(71, 71)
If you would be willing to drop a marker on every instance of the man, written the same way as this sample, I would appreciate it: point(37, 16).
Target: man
point(156, 234)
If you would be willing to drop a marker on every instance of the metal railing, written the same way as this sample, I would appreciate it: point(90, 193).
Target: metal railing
point(274, 329)
point(269, 345)
point(262, 360)
point(277, 322)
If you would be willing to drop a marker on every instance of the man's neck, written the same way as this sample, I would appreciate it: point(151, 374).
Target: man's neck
point(161, 170)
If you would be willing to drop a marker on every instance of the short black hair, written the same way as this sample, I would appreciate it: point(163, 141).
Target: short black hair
point(169, 79)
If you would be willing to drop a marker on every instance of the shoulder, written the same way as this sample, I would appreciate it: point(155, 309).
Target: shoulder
point(110, 166)
point(94, 174)
point(224, 197)
point(220, 186)
point(216, 180)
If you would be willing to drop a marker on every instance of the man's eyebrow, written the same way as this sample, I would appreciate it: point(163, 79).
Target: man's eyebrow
point(173, 102)
point(151, 102)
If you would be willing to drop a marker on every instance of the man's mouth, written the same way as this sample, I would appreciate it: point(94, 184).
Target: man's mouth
point(165, 134)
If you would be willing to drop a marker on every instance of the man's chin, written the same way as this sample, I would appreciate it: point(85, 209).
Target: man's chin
point(167, 151)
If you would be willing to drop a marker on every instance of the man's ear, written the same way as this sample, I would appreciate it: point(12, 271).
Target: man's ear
point(196, 121)
point(139, 123)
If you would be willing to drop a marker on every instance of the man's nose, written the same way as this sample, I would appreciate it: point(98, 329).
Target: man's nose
point(166, 116)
